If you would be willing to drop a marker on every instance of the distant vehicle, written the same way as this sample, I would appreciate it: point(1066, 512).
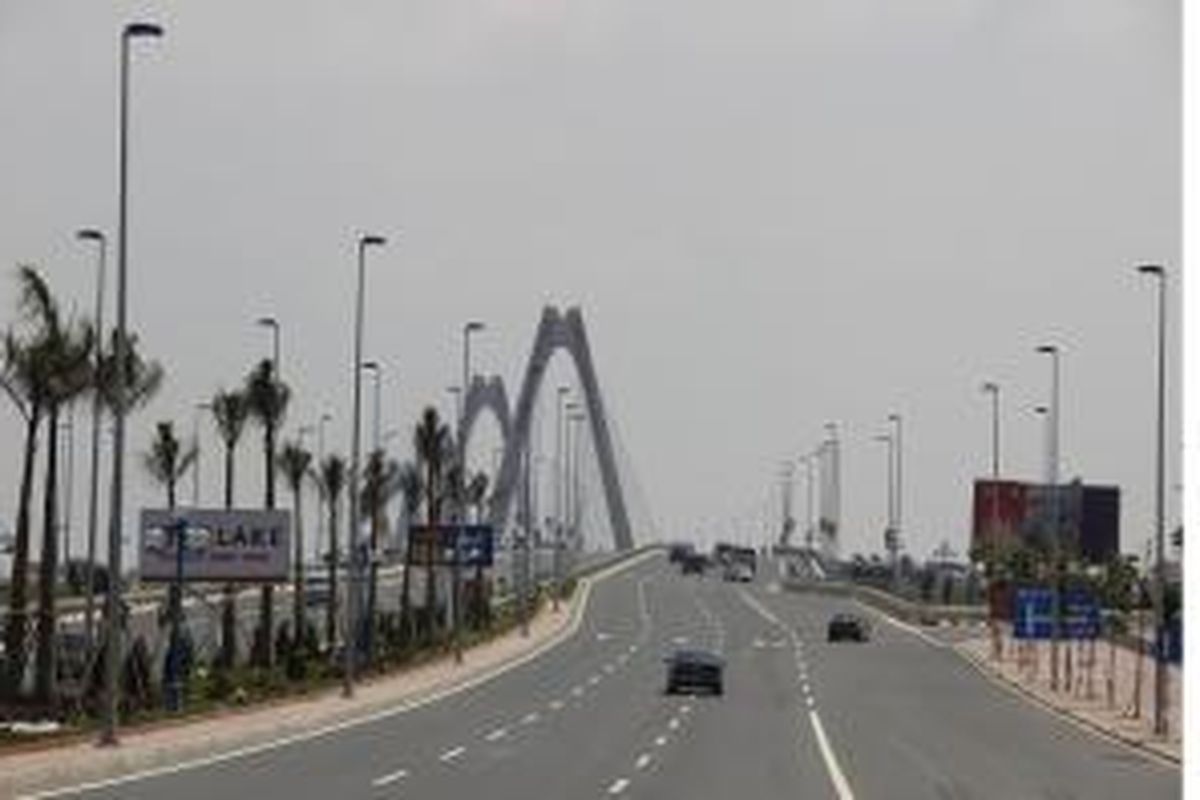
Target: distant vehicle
point(693, 564)
point(739, 572)
point(679, 552)
point(695, 669)
point(723, 553)
point(848, 626)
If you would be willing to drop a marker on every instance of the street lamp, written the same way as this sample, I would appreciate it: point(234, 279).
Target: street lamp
point(891, 538)
point(1052, 480)
point(899, 522)
point(97, 236)
point(473, 326)
point(377, 374)
point(112, 655)
point(993, 388)
point(1160, 672)
point(559, 490)
point(576, 439)
point(351, 646)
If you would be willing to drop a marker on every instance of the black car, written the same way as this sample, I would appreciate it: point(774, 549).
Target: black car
point(695, 669)
point(693, 564)
point(848, 626)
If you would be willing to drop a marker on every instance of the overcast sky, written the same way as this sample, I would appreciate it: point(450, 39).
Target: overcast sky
point(773, 213)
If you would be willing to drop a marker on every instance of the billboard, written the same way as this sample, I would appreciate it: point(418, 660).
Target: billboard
point(219, 545)
point(1087, 516)
point(476, 546)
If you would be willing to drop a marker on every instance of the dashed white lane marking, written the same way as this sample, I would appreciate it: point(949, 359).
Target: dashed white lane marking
point(610, 669)
point(603, 637)
point(642, 762)
point(621, 659)
point(804, 686)
point(762, 610)
point(530, 718)
point(555, 705)
point(577, 691)
point(660, 741)
point(592, 681)
point(685, 709)
point(451, 754)
point(679, 640)
point(673, 724)
point(809, 700)
point(497, 735)
point(618, 786)
point(633, 648)
point(840, 784)
point(391, 777)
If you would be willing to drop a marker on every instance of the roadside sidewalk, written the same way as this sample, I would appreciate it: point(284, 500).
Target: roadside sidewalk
point(1088, 702)
point(239, 731)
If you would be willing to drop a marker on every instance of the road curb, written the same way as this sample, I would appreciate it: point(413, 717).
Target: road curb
point(1142, 747)
point(73, 778)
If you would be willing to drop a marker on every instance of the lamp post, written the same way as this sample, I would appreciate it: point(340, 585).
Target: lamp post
point(112, 655)
point(377, 375)
point(273, 324)
point(325, 417)
point(1056, 533)
point(993, 388)
point(890, 537)
point(352, 643)
point(94, 235)
point(473, 326)
point(896, 420)
point(1159, 587)
point(559, 491)
point(577, 487)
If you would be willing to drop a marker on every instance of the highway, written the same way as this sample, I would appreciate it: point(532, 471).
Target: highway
point(900, 716)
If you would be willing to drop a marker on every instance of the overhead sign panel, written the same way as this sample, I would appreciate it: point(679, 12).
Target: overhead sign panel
point(219, 545)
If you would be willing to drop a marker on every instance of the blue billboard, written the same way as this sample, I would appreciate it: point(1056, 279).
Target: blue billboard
point(1033, 614)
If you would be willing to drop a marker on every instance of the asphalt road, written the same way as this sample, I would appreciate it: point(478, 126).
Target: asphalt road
point(897, 717)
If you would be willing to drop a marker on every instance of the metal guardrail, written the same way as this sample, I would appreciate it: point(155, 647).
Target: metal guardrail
point(906, 610)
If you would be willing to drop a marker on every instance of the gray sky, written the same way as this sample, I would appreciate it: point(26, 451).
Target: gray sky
point(773, 214)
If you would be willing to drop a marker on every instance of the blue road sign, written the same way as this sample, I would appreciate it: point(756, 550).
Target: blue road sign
point(475, 549)
point(1033, 614)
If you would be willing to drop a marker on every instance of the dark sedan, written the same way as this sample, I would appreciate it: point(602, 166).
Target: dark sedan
point(850, 627)
point(695, 669)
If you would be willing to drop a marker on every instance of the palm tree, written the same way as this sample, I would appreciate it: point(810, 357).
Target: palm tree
point(293, 463)
point(24, 380)
point(268, 399)
point(433, 445)
point(333, 480)
point(380, 485)
point(166, 461)
point(66, 355)
point(230, 411)
point(412, 487)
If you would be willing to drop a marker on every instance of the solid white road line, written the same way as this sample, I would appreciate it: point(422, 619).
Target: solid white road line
point(642, 762)
point(452, 754)
point(618, 786)
point(391, 777)
point(497, 735)
point(840, 784)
